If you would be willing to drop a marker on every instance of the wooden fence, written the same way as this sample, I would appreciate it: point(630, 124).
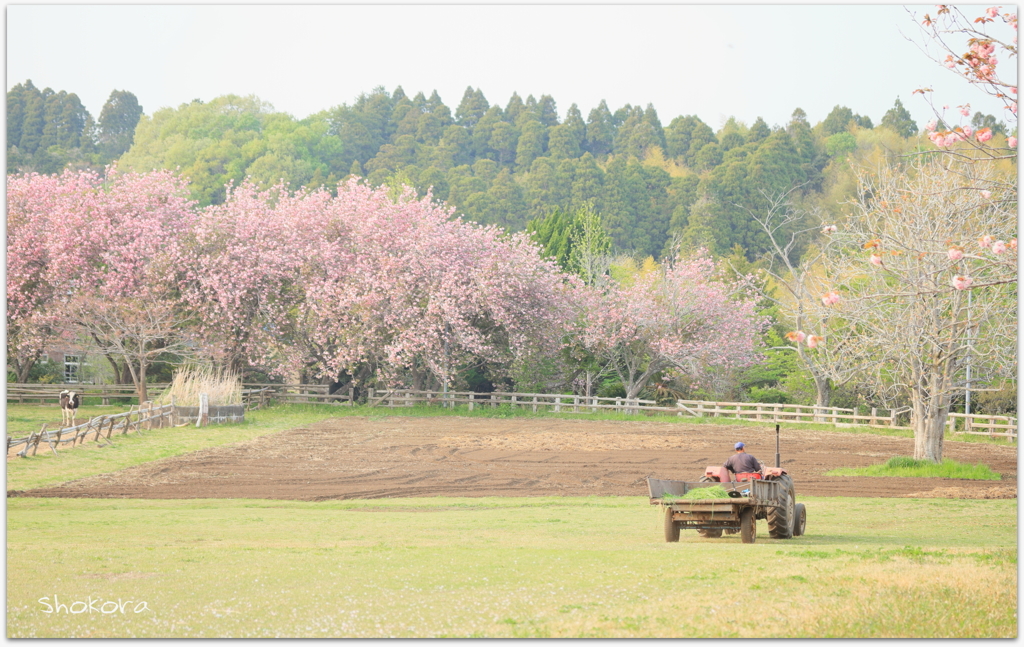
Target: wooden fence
point(135, 419)
point(983, 425)
point(46, 393)
point(309, 393)
point(258, 395)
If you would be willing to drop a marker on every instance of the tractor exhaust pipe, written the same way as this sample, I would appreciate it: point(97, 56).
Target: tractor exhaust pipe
point(778, 462)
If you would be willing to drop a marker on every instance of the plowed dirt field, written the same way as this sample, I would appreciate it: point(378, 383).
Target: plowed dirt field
point(347, 458)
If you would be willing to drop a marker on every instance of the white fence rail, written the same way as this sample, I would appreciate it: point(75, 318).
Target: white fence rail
point(983, 425)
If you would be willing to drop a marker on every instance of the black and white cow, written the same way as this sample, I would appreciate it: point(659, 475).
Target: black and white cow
point(69, 402)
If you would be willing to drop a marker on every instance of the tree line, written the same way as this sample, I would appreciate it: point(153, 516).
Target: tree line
point(49, 131)
point(655, 186)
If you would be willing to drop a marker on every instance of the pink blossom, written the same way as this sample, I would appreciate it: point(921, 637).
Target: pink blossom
point(962, 282)
point(1011, 141)
point(955, 253)
point(968, 131)
point(951, 139)
point(986, 194)
point(986, 240)
point(1013, 244)
point(998, 247)
point(796, 336)
point(814, 340)
point(829, 229)
point(876, 260)
point(831, 298)
point(984, 134)
point(930, 126)
point(965, 110)
point(992, 12)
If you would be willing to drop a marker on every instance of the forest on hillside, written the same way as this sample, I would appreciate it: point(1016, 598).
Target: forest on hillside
point(655, 186)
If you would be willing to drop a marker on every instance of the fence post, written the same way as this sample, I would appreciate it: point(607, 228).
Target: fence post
point(535, 404)
point(204, 410)
point(558, 404)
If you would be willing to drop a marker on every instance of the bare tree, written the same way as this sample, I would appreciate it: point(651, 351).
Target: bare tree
point(801, 283)
point(136, 330)
point(923, 276)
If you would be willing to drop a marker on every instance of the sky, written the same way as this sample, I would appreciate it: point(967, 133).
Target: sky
point(742, 61)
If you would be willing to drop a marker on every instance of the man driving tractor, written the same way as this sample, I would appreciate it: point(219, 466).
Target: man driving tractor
point(742, 462)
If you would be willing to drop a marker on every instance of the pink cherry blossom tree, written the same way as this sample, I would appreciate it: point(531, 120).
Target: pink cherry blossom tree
point(373, 282)
point(685, 317)
point(401, 285)
point(906, 322)
point(77, 238)
point(981, 51)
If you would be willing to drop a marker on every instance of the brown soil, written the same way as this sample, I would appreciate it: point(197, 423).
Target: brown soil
point(348, 458)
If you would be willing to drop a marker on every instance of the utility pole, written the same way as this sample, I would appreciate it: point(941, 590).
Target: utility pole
point(967, 390)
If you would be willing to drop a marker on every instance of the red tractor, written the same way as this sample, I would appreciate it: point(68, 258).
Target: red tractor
point(768, 494)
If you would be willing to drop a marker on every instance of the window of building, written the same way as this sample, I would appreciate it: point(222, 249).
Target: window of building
point(72, 364)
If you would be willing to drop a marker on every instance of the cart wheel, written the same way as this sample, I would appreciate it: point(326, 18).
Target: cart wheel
point(799, 520)
point(711, 533)
point(748, 526)
point(671, 528)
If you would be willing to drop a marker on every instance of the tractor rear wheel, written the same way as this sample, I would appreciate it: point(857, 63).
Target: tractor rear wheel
point(780, 520)
point(799, 520)
point(671, 527)
point(748, 526)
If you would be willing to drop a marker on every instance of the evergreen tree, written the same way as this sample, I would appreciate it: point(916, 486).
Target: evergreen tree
point(758, 132)
point(600, 136)
point(981, 120)
point(898, 119)
point(532, 143)
point(504, 142)
point(547, 111)
point(587, 183)
point(118, 118)
point(514, 108)
point(482, 134)
point(472, 108)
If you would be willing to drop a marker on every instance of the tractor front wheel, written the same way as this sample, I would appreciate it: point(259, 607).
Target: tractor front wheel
point(748, 526)
point(671, 527)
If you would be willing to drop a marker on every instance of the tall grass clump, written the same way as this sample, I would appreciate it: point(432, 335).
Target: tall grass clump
point(222, 386)
point(907, 466)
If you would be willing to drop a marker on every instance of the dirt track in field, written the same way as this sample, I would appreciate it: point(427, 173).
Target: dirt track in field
point(349, 458)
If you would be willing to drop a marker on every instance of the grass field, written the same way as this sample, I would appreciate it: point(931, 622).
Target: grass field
point(133, 449)
point(505, 567)
point(910, 467)
point(487, 567)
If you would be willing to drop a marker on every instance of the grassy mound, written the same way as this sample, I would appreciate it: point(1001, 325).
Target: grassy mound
point(906, 466)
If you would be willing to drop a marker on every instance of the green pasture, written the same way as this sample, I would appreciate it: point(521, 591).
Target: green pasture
point(90, 459)
point(905, 466)
point(504, 567)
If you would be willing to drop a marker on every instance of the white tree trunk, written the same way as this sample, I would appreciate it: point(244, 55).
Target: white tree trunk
point(929, 415)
